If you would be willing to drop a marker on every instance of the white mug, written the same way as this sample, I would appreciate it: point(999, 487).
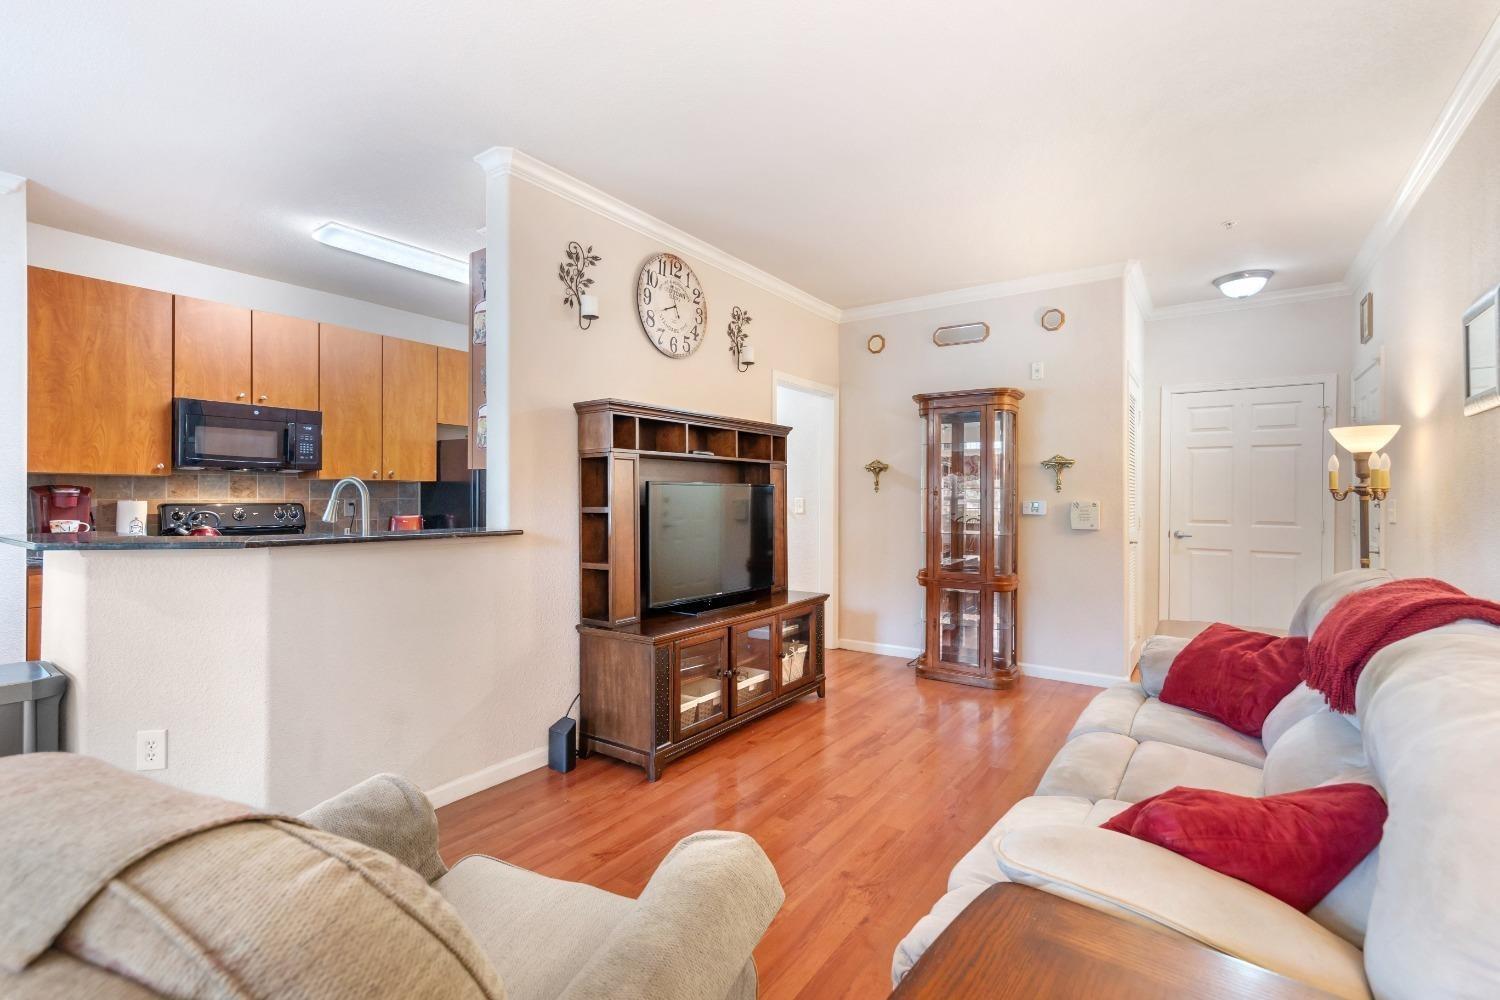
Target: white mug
point(68, 527)
point(130, 517)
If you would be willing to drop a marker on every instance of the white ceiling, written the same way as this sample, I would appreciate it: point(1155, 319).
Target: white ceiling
point(861, 152)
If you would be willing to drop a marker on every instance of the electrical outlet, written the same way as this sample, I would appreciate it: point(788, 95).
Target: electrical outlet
point(348, 508)
point(1036, 371)
point(150, 749)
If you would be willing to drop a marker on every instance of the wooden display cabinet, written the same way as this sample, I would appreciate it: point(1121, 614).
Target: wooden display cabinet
point(657, 686)
point(970, 573)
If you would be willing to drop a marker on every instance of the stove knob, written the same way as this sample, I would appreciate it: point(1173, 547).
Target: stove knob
point(280, 513)
point(239, 514)
point(178, 515)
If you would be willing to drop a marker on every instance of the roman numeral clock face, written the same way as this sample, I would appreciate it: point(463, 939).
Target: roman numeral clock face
point(674, 313)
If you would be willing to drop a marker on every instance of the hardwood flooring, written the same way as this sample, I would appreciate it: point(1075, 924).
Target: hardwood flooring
point(863, 801)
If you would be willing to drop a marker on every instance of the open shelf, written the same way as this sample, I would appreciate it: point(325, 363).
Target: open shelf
point(714, 440)
point(593, 538)
point(593, 482)
point(594, 596)
point(662, 435)
point(778, 449)
point(756, 447)
point(623, 426)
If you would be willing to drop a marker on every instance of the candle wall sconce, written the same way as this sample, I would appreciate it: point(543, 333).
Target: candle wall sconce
point(1057, 463)
point(875, 468)
point(739, 340)
point(1372, 473)
point(573, 273)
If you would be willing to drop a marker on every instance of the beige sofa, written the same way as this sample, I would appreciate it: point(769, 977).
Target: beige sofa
point(113, 885)
point(1420, 917)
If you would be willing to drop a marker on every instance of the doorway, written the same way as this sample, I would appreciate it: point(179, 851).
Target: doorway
point(811, 410)
point(1245, 514)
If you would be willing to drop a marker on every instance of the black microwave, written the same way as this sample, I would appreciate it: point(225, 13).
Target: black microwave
point(211, 435)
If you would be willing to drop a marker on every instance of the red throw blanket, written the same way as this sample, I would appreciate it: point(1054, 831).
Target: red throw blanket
point(1366, 621)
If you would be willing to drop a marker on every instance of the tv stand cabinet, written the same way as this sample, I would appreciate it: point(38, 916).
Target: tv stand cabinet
point(656, 686)
point(669, 684)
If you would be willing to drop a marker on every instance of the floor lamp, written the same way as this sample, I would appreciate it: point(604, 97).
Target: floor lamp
point(1372, 472)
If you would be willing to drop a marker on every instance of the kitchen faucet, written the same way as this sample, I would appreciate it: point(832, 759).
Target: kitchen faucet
point(330, 513)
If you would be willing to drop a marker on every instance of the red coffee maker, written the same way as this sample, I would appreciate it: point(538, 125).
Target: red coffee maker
point(61, 503)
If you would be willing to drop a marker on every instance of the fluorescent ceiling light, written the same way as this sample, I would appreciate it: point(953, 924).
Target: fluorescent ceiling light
point(1243, 284)
point(336, 234)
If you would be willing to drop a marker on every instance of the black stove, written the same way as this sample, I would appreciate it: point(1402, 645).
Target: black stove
point(234, 518)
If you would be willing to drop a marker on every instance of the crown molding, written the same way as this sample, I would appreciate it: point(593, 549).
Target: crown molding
point(10, 183)
point(1265, 300)
point(1135, 281)
point(1473, 89)
point(503, 160)
point(982, 293)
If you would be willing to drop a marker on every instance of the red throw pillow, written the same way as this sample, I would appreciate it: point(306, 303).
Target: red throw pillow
point(1296, 846)
point(1235, 676)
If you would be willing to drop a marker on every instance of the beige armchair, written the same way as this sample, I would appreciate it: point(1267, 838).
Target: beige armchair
point(119, 886)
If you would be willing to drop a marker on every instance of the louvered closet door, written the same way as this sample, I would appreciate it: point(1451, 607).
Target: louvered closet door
point(1133, 421)
point(1245, 520)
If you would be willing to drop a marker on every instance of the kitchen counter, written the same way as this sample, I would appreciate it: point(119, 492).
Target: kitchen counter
point(98, 541)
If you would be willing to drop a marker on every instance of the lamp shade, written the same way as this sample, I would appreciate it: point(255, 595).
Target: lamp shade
point(1366, 438)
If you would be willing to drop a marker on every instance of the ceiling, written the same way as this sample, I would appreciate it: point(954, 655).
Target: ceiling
point(860, 153)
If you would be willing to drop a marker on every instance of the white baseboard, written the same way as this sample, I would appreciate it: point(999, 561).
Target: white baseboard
point(1071, 676)
point(882, 648)
point(488, 777)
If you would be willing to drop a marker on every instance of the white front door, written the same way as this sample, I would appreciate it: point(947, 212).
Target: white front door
point(1246, 491)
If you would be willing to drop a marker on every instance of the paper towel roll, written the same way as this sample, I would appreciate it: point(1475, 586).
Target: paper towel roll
point(130, 517)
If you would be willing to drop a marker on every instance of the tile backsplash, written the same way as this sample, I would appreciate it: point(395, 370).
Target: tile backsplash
point(386, 499)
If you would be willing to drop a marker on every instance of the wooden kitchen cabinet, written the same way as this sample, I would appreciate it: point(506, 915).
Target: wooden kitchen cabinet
point(409, 381)
point(284, 361)
point(453, 386)
point(211, 348)
point(99, 379)
point(349, 390)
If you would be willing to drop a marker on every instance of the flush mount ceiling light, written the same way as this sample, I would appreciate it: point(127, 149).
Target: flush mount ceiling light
point(1243, 284)
point(342, 237)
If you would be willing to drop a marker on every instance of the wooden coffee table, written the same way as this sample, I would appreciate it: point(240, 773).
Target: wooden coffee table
point(1016, 941)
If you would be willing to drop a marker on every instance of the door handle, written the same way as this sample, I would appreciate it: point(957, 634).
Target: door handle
point(1181, 534)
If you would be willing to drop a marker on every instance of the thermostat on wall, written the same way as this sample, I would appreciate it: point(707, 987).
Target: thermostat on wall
point(1084, 515)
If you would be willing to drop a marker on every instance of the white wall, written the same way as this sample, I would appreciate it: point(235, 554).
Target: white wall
point(1072, 591)
point(1281, 341)
point(552, 365)
point(12, 414)
point(59, 250)
point(1446, 466)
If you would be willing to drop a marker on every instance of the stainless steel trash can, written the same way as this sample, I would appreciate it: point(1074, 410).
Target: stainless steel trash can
point(30, 702)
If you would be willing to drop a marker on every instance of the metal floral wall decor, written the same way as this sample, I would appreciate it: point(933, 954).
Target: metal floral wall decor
point(739, 340)
point(573, 273)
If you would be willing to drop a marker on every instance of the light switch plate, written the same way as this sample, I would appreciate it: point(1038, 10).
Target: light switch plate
point(1036, 371)
point(799, 505)
point(1033, 508)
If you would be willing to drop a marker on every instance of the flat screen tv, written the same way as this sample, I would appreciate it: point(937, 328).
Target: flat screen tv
point(706, 543)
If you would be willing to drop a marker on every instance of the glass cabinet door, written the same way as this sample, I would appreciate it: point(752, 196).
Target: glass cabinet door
point(1003, 630)
point(752, 680)
point(959, 459)
point(1003, 493)
point(795, 663)
point(698, 683)
point(957, 616)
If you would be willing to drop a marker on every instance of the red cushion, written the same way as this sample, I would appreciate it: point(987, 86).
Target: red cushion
point(1295, 846)
point(1235, 676)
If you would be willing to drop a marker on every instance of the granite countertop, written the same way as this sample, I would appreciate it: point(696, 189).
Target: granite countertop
point(109, 541)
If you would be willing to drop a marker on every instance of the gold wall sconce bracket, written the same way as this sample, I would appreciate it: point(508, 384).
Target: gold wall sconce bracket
point(1056, 464)
point(875, 468)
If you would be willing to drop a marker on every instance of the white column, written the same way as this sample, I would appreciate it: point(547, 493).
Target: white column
point(12, 414)
point(496, 162)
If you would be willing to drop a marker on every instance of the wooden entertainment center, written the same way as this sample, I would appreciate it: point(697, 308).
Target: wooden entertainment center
point(657, 685)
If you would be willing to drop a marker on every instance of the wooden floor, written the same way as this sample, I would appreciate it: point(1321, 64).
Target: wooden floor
point(863, 802)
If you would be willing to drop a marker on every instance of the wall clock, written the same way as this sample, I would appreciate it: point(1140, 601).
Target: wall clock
point(673, 311)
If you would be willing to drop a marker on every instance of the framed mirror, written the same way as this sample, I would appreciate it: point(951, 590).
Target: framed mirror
point(964, 333)
point(1482, 354)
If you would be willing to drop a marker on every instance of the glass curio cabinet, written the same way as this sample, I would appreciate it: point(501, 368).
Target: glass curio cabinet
point(969, 518)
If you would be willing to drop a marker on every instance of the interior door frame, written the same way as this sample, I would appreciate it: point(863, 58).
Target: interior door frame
point(1330, 384)
point(781, 378)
